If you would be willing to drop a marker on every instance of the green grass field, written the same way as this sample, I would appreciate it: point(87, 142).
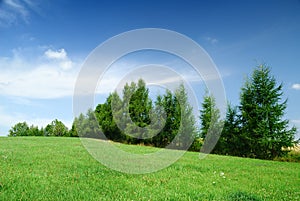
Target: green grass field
point(45, 168)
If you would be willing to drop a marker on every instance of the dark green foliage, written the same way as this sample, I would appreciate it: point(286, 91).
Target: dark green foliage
point(264, 131)
point(35, 131)
point(159, 139)
point(88, 126)
point(73, 132)
point(196, 145)
point(230, 141)
point(125, 119)
point(166, 108)
point(254, 129)
point(20, 129)
point(184, 111)
point(139, 105)
point(134, 119)
point(211, 124)
point(208, 114)
point(175, 112)
point(56, 128)
point(105, 118)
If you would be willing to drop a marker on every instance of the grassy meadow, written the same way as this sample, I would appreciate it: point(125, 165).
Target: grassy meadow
point(53, 168)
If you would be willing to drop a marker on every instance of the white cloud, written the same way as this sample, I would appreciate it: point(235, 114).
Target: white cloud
point(296, 86)
point(41, 82)
point(52, 74)
point(39, 78)
point(60, 54)
point(66, 65)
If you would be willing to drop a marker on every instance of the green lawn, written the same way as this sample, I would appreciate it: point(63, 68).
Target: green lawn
point(45, 168)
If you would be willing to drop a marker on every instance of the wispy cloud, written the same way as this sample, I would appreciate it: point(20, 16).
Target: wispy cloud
point(211, 40)
point(296, 86)
point(166, 75)
point(52, 74)
point(11, 11)
point(296, 121)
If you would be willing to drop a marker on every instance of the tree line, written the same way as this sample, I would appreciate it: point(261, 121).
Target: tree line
point(55, 128)
point(254, 128)
point(135, 118)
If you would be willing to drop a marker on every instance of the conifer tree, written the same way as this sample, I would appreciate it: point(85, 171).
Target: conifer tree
point(264, 131)
point(184, 117)
point(210, 123)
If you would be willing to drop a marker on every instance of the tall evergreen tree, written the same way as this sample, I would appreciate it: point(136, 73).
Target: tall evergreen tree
point(185, 118)
point(167, 105)
point(210, 122)
point(230, 141)
point(264, 130)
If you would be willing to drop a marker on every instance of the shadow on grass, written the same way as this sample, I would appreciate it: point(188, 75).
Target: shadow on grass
point(242, 196)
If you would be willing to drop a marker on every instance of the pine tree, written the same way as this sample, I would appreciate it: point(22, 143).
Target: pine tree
point(185, 118)
point(211, 124)
point(171, 119)
point(264, 131)
point(159, 139)
point(230, 141)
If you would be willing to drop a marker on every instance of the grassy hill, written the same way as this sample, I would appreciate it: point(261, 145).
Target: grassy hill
point(44, 168)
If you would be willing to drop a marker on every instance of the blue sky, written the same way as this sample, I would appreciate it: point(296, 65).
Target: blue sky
point(44, 43)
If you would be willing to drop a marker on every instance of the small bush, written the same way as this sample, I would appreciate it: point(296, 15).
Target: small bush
point(196, 145)
point(292, 156)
